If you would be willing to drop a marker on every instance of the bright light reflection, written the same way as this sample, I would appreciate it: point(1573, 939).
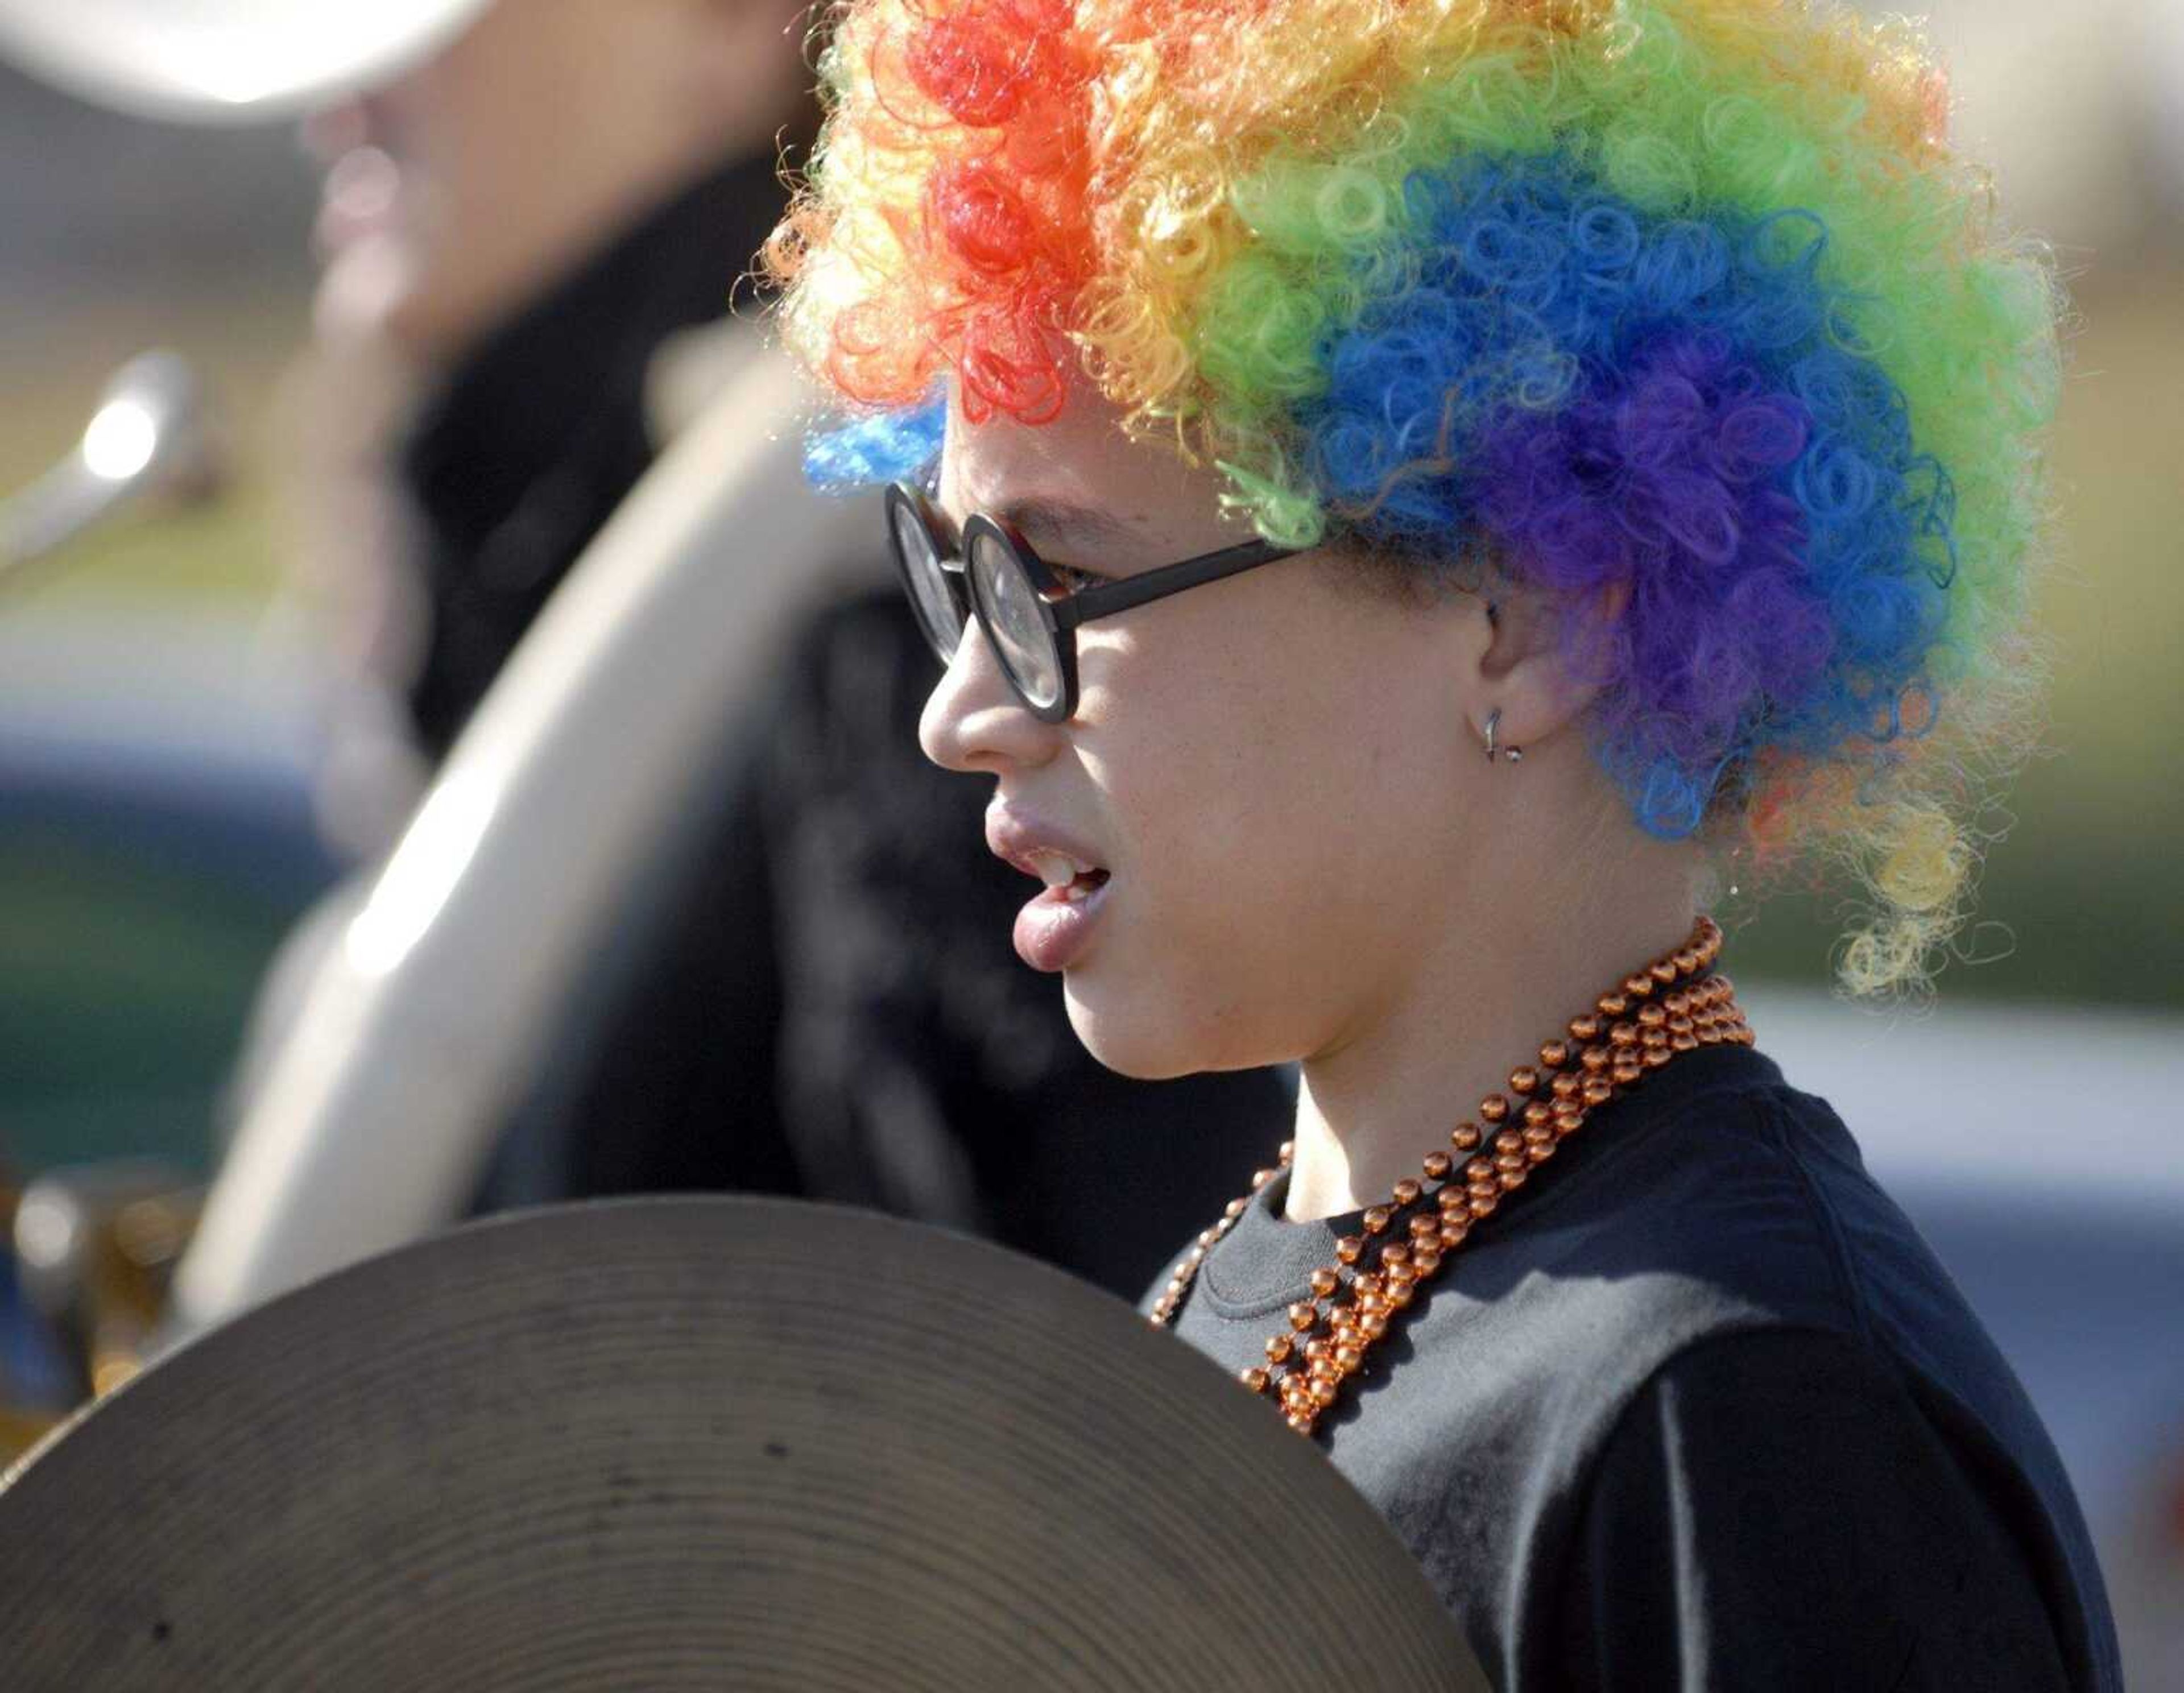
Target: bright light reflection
point(239, 63)
point(47, 1233)
point(431, 859)
point(120, 441)
point(239, 86)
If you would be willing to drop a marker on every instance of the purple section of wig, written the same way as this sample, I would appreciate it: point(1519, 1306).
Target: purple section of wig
point(1667, 408)
point(1666, 485)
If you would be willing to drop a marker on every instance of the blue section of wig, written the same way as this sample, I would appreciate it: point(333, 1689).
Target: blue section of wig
point(1672, 408)
point(886, 447)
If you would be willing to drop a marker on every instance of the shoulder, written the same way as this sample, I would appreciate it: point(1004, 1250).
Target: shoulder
point(1721, 1203)
point(1741, 1201)
point(1773, 1504)
point(1737, 1208)
point(1814, 1417)
point(1747, 1205)
point(1707, 1320)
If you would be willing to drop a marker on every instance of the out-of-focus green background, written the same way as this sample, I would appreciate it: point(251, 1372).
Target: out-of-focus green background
point(128, 948)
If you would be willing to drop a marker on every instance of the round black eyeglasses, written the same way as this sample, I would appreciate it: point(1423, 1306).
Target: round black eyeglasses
point(1029, 619)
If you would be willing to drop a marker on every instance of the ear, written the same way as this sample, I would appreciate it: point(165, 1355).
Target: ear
point(1522, 668)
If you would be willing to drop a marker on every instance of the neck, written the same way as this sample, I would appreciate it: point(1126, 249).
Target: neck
point(1370, 1107)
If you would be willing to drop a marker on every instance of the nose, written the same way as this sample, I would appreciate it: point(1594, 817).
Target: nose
point(972, 720)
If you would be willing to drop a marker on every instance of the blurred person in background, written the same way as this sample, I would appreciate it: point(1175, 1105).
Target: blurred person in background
point(519, 238)
point(510, 233)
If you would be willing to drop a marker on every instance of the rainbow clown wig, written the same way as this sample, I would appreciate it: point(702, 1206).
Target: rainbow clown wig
point(1688, 299)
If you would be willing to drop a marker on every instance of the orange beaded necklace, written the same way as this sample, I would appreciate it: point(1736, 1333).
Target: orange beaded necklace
point(1671, 1006)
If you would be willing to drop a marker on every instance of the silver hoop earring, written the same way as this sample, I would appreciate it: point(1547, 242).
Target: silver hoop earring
point(1514, 755)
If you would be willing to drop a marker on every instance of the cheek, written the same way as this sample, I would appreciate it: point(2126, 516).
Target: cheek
point(1276, 816)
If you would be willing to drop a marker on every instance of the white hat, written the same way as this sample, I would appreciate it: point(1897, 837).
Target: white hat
point(224, 61)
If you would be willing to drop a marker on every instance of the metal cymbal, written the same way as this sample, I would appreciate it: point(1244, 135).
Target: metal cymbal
point(672, 1443)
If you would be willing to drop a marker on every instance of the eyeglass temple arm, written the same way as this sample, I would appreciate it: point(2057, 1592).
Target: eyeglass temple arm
point(1110, 597)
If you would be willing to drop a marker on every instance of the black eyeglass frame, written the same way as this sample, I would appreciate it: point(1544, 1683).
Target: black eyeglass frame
point(1062, 611)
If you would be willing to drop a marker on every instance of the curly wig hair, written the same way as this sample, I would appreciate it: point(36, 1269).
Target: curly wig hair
point(1689, 302)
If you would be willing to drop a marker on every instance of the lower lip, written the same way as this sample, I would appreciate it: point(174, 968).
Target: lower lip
point(1053, 929)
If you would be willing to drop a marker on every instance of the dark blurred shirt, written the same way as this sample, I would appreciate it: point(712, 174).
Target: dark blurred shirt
point(535, 438)
point(813, 990)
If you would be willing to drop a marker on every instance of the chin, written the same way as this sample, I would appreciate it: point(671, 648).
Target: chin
point(1152, 1036)
point(387, 287)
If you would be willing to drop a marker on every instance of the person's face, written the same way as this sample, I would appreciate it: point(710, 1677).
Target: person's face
point(455, 193)
point(1261, 768)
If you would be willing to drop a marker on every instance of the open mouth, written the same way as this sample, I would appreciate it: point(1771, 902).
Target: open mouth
point(1063, 875)
point(1054, 928)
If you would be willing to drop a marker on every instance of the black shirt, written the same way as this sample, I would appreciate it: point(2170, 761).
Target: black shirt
point(539, 431)
point(1698, 1407)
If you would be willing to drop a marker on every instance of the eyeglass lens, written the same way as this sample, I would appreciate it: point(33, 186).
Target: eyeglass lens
point(938, 608)
point(1006, 596)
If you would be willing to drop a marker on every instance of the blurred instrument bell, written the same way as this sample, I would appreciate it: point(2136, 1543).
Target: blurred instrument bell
point(223, 61)
point(153, 435)
point(699, 1442)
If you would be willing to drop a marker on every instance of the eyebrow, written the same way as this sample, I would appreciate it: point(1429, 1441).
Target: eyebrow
point(1061, 521)
point(1066, 523)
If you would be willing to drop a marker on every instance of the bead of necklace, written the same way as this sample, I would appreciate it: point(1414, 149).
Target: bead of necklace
point(1672, 1006)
